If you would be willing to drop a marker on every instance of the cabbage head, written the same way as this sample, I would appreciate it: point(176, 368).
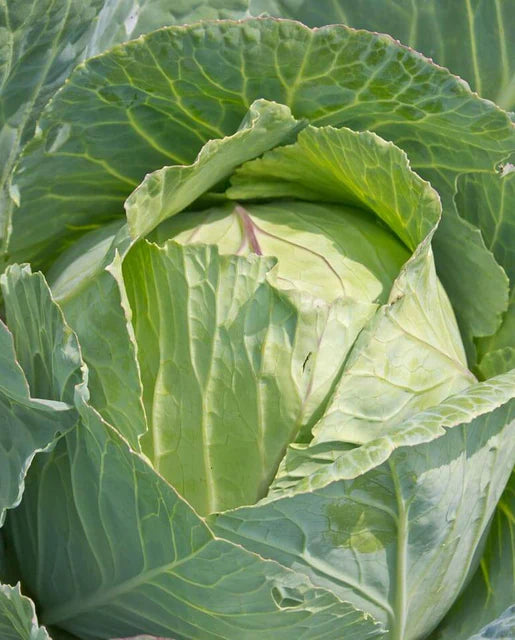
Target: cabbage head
point(257, 364)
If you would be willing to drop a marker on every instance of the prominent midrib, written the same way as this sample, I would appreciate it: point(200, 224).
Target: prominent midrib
point(102, 598)
point(398, 626)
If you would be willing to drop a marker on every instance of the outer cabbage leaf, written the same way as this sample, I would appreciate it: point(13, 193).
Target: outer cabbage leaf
point(393, 525)
point(503, 628)
point(41, 41)
point(471, 38)
point(231, 363)
point(487, 602)
point(31, 418)
point(18, 617)
point(101, 318)
point(140, 96)
point(489, 202)
point(132, 557)
point(94, 300)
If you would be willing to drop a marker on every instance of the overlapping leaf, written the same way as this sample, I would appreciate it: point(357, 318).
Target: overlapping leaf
point(222, 354)
point(409, 357)
point(141, 96)
point(42, 40)
point(29, 421)
point(392, 525)
point(93, 299)
point(132, 557)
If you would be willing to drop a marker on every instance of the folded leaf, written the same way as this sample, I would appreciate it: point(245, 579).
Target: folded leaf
point(31, 424)
point(398, 537)
point(140, 96)
point(133, 557)
point(18, 616)
point(223, 359)
point(170, 190)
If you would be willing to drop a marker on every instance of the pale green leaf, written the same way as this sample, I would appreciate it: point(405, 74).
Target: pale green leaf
point(340, 165)
point(223, 357)
point(306, 469)
point(18, 616)
point(326, 250)
point(408, 358)
point(398, 536)
point(170, 190)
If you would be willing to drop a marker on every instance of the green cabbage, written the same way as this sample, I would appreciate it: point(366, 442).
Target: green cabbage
point(257, 367)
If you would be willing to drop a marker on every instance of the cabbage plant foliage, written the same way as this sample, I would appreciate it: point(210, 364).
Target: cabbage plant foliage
point(257, 346)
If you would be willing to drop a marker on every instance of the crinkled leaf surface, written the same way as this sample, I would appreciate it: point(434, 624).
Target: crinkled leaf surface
point(407, 359)
point(471, 38)
point(132, 557)
point(168, 191)
point(396, 538)
point(135, 558)
point(18, 617)
point(199, 319)
point(410, 356)
point(93, 300)
point(340, 165)
point(42, 40)
point(166, 95)
point(486, 602)
point(223, 354)
point(308, 467)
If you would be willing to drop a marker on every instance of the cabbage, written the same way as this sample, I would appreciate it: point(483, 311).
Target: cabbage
point(257, 367)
